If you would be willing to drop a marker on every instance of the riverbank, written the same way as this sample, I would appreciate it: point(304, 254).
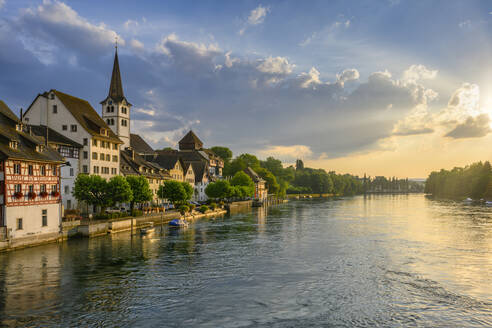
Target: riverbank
point(89, 229)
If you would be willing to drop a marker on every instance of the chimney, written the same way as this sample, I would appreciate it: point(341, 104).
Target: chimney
point(21, 114)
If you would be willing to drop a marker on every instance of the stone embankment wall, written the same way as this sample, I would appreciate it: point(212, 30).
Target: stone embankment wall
point(77, 228)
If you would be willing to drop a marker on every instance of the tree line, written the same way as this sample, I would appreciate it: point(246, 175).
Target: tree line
point(290, 180)
point(473, 181)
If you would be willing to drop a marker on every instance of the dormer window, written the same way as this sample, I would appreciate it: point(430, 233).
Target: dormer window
point(40, 148)
point(13, 144)
point(52, 96)
point(18, 127)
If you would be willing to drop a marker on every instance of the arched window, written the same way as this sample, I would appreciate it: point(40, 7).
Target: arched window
point(112, 109)
point(108, 121)
point(107, 109)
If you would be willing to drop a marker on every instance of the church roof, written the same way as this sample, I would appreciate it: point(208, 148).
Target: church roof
point(190, 142)
point(139, 145)
point(116, 86)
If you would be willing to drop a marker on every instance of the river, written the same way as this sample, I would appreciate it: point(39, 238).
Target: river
point(381, 260)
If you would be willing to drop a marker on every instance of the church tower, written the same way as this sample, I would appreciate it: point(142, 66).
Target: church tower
point(115, 108)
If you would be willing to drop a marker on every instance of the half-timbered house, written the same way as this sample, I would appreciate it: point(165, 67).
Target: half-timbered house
point(29, 182)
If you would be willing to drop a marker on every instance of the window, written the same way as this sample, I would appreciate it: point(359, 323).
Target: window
point(44, 214)
point(52, 96)
point(113, 170)
point(17, 168)
point(30, 170)
point(123, 122)
point(102, 156)
point(69, 204)
point(43, 170)
point(71, 171)
point(86, 141)
point(67, 190)
point(73, 127)
point(13, 144)
point(115, 158)
point(94, 155)
point(108, 121)
point(54, 170)
point(55, 109)
point(108, 157)
point(18, 188)
point(123, 110)
point(42, 188)
point(94, 142)
point(110, 102)
point(112, 109)
point(19, 224)
point(86, 154)
point(31, 188)
point(85, 169)
point(115, 146)
point(54, 188)
point(64, 127)
point(107, 109)
point(103, 144)
point(96, 169)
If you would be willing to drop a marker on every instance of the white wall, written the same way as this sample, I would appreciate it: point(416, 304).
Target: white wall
point(32, 219)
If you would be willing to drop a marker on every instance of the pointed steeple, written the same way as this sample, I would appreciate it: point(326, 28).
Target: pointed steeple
point(116, 87)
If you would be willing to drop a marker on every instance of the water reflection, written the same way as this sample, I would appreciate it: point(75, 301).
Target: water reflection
point(363, 261)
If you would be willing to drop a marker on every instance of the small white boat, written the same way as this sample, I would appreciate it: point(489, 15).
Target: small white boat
point(468, 200)
point(488, 203)
point(178, 223)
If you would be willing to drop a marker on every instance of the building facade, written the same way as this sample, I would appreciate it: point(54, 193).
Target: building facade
point(30, 203)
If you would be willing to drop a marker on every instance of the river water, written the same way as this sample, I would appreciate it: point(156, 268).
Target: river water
point(394, 261)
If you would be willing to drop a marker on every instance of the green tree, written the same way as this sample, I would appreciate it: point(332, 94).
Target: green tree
point(271, 182)
point(241, 179)
point(223, 152)
point(91, 189)
point(218, 190)
point(175, 191)
point(140, 190)
point(119, 190)
point(250, 160)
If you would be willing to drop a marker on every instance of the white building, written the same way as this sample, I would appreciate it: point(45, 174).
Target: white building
point(30, 207)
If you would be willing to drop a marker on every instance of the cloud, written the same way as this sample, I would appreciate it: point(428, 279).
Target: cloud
point(149, 112)
point(348, 75)
point(275, 65)
point(53, 25)
point(418, 121)
point(130, 25)
point(327, 31)
point(416, 73)
point(287, 153)
point(473, 127)
point(137, 45)
point(256, 17)
point(2, 3)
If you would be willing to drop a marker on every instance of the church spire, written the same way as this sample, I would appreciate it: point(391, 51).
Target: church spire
point(116, 87)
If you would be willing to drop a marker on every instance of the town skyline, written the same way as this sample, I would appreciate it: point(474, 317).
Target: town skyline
point(322, 94)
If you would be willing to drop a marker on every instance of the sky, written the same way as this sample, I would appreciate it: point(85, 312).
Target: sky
point(388, 87)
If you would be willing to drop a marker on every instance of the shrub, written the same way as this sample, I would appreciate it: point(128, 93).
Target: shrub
point(221, 203)
point(101, 216)
point(183, 209)
point(203, 208)
point(192, 207)
point(213, 206)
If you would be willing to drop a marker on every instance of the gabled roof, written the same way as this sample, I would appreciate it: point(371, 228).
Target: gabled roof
point(53, 136)
point(165, 159)
point(253, 175)
point(5, 111)
point(87, 116)
point(26, 144)
point(190, 142)
point(139, 145)
point(200, 170)
point(135, 162)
